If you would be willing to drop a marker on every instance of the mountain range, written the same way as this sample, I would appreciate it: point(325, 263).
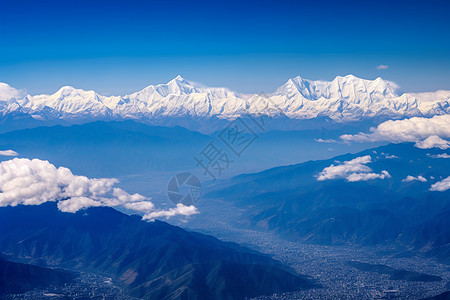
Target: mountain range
point(343, 99)
point(150, 260)
point(387, 198)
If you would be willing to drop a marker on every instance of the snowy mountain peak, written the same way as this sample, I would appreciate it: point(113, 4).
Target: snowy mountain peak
point(177, 86)
point(180, 86)
point(71, 94)
point(180, 81)
point(179, 78)
point(297, 79)
point(348, 87)
point(345, 98)
point(68, 90)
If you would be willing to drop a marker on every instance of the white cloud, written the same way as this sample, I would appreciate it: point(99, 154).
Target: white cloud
point(8, 153)
point(352, 170)
point(179, 210)
point(33, 182)
point(410, 178)
point(415, 129)
point(433, 141)
point(443, 155)
point(75, 204)
point(441, 186)
point(325, 141)
point(368, 176)
point(7, 92)
point(383, 67)
point(388, 156)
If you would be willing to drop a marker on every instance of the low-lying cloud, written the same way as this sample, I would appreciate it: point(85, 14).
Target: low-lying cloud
point(433, 141)
point(425, 132)
point(179, 210)
point(352, 170)
point(441, 186)
point(33, 182)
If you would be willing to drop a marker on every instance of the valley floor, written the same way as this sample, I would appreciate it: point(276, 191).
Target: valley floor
point(328, 265)
point(86, 286)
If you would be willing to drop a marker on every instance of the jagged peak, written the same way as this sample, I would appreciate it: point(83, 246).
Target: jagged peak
point(341, 86)
point(300, 97)
point(178, 81)
point(297, 80)
point(179, 78)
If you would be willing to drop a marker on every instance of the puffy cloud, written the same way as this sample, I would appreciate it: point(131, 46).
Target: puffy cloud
point(179, 210)
point(441, 186)
point(410, 178)
point(7, 92)
point(356, 165)
point(8, 153)
point(415, 129)
point(368, 176)
point(352, 170)
point(433, 142)
point(383, 67)
point(33, 182)
point(75, 204)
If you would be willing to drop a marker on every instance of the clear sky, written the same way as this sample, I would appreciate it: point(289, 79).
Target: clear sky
point(117, 47)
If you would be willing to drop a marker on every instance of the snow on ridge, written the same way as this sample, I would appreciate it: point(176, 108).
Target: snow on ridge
point(345, 98)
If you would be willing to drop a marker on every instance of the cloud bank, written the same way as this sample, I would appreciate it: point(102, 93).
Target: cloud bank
point(33, 182)
point(425, 132)
point(8, 153)
point(352, 170)
point(441, 186)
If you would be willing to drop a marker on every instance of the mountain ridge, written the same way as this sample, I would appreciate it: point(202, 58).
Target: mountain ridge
point(400, 209)
point(345, 98)
point(141, 256)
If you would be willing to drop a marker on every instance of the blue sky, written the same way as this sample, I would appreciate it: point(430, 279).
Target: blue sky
point(117, 47)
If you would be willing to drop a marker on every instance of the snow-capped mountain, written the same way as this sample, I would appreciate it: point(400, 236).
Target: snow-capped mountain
point(344, 99)
point(351, 98)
